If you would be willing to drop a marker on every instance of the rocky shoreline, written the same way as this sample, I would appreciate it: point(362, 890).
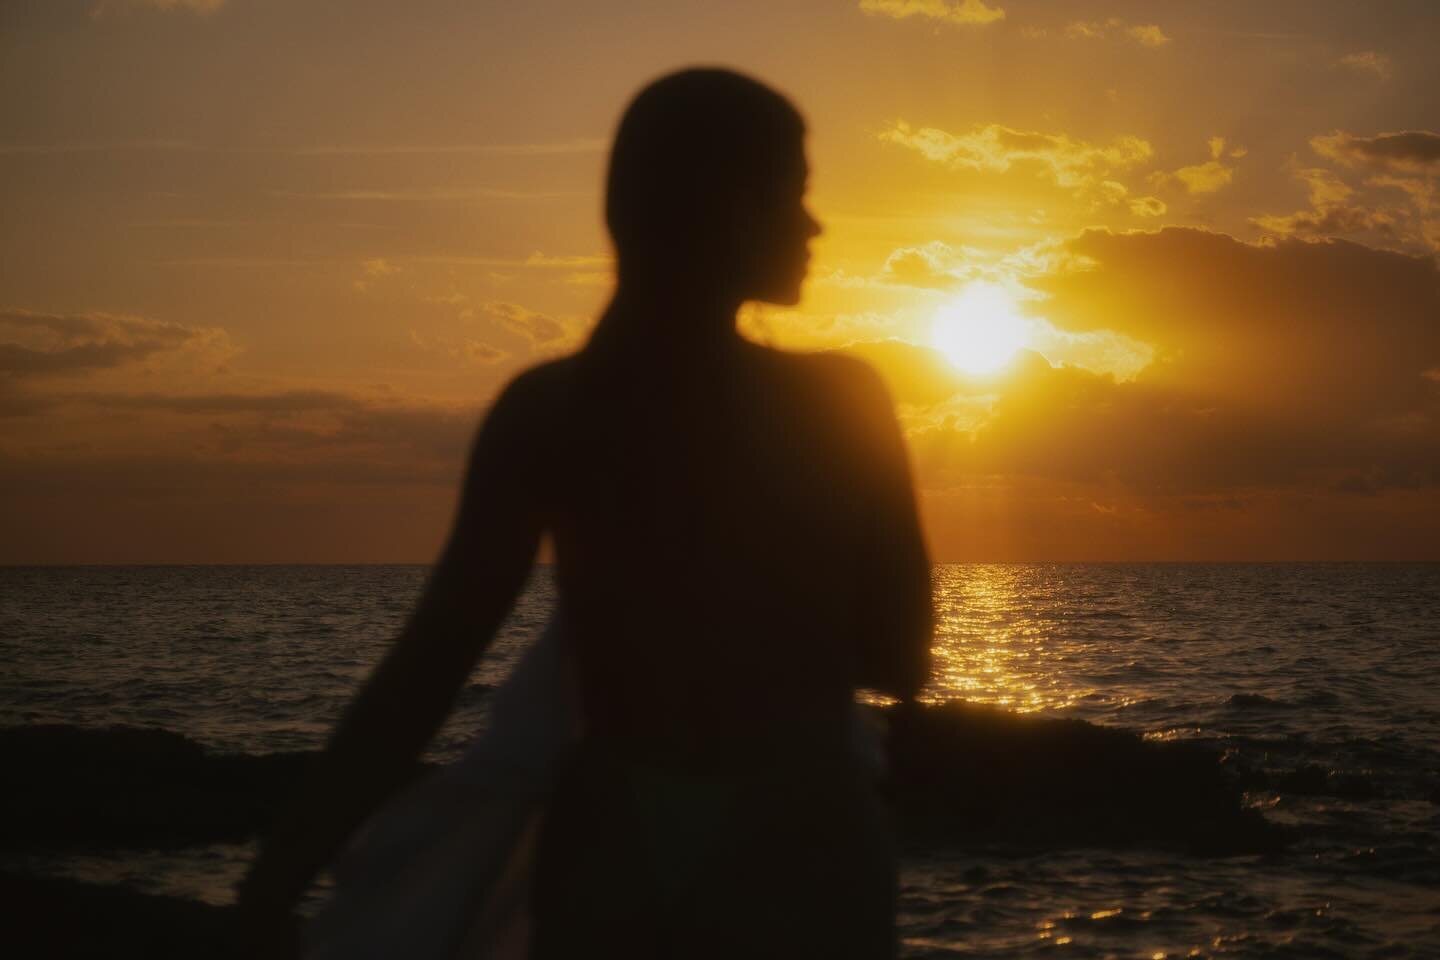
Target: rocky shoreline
point(961, 775)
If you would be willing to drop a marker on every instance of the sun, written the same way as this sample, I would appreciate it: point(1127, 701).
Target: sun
point(981, 330)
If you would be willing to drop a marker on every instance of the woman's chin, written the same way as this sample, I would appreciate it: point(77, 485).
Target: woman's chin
point(782, 295)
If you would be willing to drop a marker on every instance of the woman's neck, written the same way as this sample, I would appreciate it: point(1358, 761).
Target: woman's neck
point(673, 317)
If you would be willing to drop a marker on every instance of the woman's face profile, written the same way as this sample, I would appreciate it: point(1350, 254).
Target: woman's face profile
point(780, 242)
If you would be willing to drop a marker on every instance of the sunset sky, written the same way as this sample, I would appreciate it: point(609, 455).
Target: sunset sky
point(263, 263)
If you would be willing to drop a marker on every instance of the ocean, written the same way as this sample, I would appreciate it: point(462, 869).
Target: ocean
point(1325, 675)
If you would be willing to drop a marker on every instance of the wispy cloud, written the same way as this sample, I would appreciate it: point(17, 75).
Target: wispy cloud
point(465, 349)
point(374, 269)
point(539, 328)
point(963, 12)
point(933, 265)
point(101, 146)
point(1147, 206)
point(1332, 212)
point(1208, 177)
point(1421, 191)
point(378, 267)
point(1065, 161)
point(442, 195)
point(1411, 151)
point(577, 146)
point(51, 344)
point(539, 259)
point(1407, 161)
point(1145, 34)
point(245, 263)
point(1366, 61)
point(203, 7)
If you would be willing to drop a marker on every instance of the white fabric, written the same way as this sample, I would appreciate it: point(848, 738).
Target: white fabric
point(443, 871)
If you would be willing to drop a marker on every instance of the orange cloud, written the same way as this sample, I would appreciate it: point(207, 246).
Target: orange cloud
point(1064, 161)
point(1147, 207)
point(1283, 374)
point(203, 7)
point(1145, 34)
point(465, 349)
point(963, 12)
point(539, 259)
point(1420, 191)
point(578, 145)
point(48, 344)
point(1330, 328)
point(374, 268)
point(933, 265)
point(1366, 61)
point(311, 475)
point(1208, 177)
point(1409, 151)
point(1331, 213)
point(540, 329)
point(1407, 161)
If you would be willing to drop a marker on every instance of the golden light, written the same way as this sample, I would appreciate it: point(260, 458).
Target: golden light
point(980, 330)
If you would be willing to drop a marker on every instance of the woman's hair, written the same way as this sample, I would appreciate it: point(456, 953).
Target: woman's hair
point(686, 145)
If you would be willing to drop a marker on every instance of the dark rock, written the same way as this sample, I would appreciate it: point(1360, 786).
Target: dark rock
point(963, 773)
point(959, 773)
point(55, 918)
point(127, 787)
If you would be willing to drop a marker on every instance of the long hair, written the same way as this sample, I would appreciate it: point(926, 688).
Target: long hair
point(686, 145)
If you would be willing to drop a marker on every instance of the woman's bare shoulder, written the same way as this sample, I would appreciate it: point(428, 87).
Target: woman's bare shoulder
point(841, 380)
point(536, 391)
point(516, 432)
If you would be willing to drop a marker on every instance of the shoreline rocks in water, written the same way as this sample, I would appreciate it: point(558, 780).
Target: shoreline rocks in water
point(970, 775)
point(961, 775)
point(57, 918)
point(128, 787)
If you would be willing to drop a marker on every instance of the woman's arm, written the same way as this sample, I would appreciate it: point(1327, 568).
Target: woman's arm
point(383, 731)
point(896, 615)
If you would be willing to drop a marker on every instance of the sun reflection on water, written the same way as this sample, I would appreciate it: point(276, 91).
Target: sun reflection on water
point(989, 647)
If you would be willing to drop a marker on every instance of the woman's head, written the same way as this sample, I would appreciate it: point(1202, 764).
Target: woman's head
point(706, 187)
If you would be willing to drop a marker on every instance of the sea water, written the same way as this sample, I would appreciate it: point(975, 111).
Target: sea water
point(1291, 667)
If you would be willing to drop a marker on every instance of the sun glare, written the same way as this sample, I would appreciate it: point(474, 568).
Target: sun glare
point(980, 330)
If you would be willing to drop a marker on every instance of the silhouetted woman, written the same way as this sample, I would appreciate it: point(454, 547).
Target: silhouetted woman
point(737, 550)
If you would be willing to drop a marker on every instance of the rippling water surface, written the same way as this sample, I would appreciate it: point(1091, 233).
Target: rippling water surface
point(1327, 669)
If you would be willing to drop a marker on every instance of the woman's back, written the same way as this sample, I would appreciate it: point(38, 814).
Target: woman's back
point(712, 528)
point(723, 520)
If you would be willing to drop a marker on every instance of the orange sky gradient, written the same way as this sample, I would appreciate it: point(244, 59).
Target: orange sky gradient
point(263, 263)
